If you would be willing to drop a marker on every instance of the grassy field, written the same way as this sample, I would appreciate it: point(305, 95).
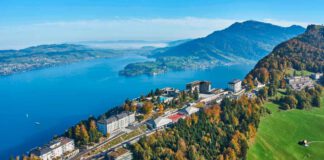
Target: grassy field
point(298, 73)
point(279, 133)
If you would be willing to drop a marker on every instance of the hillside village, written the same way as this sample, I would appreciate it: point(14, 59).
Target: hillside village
point(126, 127)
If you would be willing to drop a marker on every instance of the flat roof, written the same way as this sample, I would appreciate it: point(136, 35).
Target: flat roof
point(234, 81)
point(115, 117)
point(46, 148)
point(198, 82)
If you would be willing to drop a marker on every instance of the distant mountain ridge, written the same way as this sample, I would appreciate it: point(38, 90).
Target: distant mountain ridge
point(42, 56)
point(245, 42)
point(250, 40)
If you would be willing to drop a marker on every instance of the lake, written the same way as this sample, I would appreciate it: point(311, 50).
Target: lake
point(39, 104)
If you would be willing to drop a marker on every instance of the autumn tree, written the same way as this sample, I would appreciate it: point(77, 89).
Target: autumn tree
point(161, 109)
point(133, 107)
point(147, 107)
point(94, 134)
point(84, 134)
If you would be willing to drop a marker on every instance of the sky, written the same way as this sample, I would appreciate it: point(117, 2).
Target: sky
point(26, 23)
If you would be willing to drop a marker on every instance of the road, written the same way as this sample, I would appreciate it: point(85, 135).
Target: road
point(80, 155)
point(86, 151)
point(98, 156)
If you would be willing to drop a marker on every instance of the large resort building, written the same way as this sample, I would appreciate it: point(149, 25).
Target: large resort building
point(61, 148)
point(235, 85)
point(116, 122)
point(200, 86)
point(300, 82)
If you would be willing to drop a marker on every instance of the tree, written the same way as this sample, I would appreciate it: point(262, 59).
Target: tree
point(180, 155)
point(93, 132)
point(316, 101)
point(77, 133)
point(264, 75)
point(263, 93)
point(283, 83)
point(321, 80)
point(182, 145)
point(148, 107)
point(161, 109)
point(158, 92)
point(126, 107)
point(196, 94)
point(272, 90)
point(291, 101)
point(84, 134)
point(70, 133)
point(133, 107)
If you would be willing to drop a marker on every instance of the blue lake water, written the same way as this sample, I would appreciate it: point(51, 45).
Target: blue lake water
point(59, 97)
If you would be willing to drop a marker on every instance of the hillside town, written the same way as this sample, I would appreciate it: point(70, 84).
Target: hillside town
point(128, 126)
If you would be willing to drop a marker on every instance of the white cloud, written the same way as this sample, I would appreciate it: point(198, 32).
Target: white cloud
point(114, 29)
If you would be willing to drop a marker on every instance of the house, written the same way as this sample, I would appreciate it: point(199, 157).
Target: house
point(57, 149)
point(316, 76)
point(120, 154)
point(189, 110)
point(200, 86)
point(159, 122)
point(116, 122)
point(235, 85)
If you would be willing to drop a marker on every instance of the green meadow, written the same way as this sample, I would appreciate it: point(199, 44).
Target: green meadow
point(279, 133)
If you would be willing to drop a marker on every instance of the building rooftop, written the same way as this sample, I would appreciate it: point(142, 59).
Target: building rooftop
point(122, 115)
point(51, 145)
point(176, 117)
point(115, 118)
point(197, 82)
point(190, 110)
point(234, 81)
point(162, 121)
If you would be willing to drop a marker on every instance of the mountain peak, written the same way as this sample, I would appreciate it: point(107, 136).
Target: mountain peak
point(248, 23)
point(315, 29)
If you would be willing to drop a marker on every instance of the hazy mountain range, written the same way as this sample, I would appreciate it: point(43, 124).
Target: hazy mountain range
point(244, 42)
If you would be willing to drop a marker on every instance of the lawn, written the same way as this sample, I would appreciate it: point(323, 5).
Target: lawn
point(279, 133)
point(298, 73)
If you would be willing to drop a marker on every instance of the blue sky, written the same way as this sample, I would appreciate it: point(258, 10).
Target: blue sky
point(31, 22)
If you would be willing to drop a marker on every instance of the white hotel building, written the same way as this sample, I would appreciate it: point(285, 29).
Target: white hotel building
point(115, 123)
point(56, 149)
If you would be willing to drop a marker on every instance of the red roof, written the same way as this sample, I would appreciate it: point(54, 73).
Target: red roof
point(176, 117)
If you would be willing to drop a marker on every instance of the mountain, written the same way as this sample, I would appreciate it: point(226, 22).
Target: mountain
point(302, 53)
point(250, 40)
point(244, 42)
